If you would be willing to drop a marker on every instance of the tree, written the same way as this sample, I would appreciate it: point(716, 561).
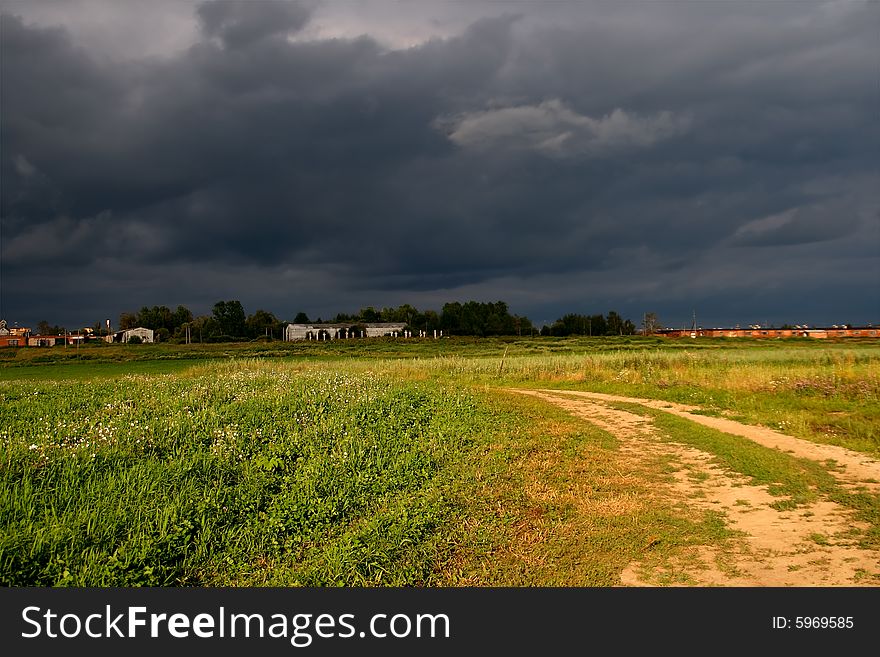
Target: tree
point(475, 318)
point(128, 321)
point(262, 322)
point(431, 321)
point(230, 317)
point(572, 324)
point(157, 317)
point(147, 318)
point(523, 325)
point(405, 313)
point(44, 328)
point(651, 324)
point(203, 328)
point(614, 324)
point(181, 320)
point(180, 317)
point(450, 317)
point(301, 318)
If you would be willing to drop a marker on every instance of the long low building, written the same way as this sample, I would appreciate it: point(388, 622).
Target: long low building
point(797, 332)
point(343, 331)
point(52, 340)
point(145, 335)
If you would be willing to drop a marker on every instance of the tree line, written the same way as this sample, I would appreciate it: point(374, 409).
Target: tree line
point(470, 318)
point(573, 324)
point(229, 322)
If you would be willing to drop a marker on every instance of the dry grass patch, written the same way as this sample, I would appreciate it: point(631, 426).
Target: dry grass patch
point(562, 505)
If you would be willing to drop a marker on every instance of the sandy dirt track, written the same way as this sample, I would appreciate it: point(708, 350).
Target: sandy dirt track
point(814, 545)
point(854, 470)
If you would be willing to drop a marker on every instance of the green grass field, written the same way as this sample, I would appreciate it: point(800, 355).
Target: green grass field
point(387, 462)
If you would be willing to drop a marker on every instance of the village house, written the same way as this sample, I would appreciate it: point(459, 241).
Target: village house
point(13, 337)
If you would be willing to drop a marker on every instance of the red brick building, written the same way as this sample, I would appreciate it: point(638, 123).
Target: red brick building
point(13, 337)
point(761, 332)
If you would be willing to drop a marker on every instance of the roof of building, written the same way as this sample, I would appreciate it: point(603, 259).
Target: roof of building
point(348, 324)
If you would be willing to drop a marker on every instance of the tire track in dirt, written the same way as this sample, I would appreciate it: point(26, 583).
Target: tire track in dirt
point(814, 545)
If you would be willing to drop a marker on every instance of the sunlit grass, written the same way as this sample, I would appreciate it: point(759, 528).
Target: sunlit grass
point(200, 478)
point(390, 464)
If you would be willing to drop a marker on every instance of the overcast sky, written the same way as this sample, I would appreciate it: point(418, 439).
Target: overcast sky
point(642, 156)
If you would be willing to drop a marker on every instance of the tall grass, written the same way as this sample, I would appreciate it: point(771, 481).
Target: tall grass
point(356, 469)
point(242, 474)
point(829, 395)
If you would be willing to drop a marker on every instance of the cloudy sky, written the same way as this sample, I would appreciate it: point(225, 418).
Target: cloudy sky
point(713, 156)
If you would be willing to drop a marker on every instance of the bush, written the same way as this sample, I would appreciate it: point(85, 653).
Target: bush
point(135, 339)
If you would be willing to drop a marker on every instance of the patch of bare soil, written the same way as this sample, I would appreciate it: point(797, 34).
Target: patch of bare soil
point(813, 545)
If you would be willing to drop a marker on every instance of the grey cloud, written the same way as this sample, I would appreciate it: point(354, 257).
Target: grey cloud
point(23, 167)
point(65, 242)
point(816, 222)
point(241, 22)
point(553, 129)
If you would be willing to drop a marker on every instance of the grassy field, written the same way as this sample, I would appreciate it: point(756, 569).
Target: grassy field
point(389, 462)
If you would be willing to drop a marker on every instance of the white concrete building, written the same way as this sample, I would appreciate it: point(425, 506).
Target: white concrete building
point(342, 331)
point(145, 334)
point(377, 330)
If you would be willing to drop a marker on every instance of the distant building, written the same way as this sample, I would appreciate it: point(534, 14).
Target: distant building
point(343, 331)
point(379, 329)
point(761, 332)
point(5, 337)
point(44, 340)
point(13, 330)
point(19, 336)
point(15, 336)
point(52, 340)
point(145, 335)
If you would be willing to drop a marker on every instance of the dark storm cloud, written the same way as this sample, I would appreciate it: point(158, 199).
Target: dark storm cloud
point(624, 156)
point(239, 22)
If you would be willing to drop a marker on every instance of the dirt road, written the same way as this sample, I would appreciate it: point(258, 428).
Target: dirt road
point(813, 545)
